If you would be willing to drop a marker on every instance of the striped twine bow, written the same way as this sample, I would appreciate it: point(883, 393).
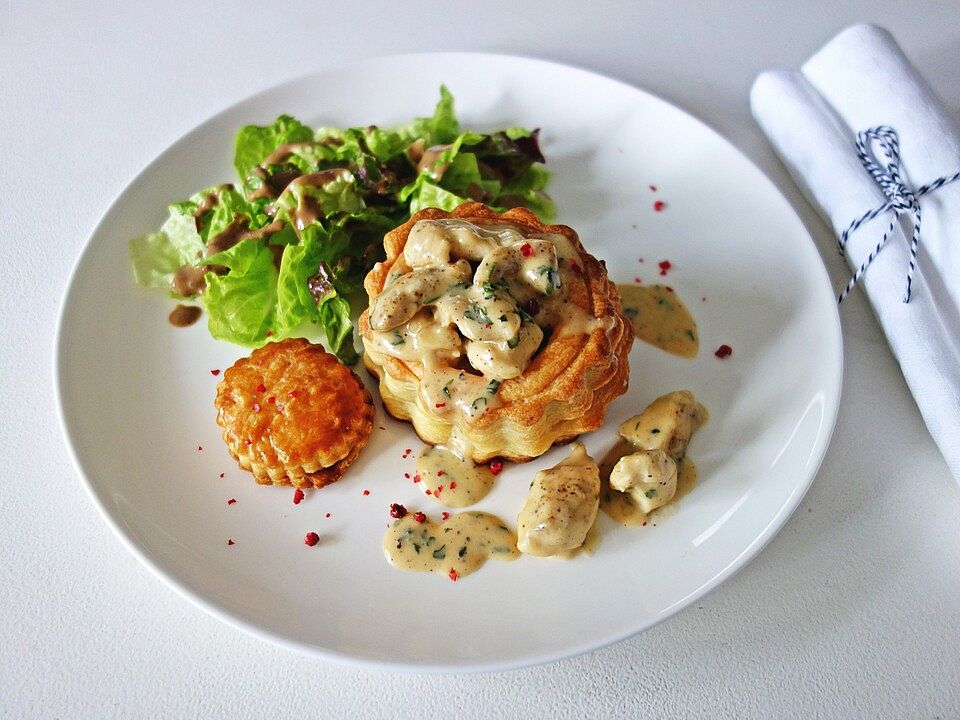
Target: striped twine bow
point(902, 198)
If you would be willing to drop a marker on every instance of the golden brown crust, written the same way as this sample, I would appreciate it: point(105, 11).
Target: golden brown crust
point(566, 389)
point(292, 414)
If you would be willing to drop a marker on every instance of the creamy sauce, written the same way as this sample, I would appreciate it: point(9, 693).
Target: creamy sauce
point(590, 544)
point(660, 318)
point(184, 315)
point(450, 479)
point(439, 310)
point(460, 545)
point(622, 508)
point(561, 506)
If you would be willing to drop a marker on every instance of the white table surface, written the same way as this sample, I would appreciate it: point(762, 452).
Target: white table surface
point(852, 611)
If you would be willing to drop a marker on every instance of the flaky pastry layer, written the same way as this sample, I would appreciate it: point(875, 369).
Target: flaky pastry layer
point(292, 414)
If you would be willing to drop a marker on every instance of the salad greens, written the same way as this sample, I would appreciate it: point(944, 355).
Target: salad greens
point(290, 242)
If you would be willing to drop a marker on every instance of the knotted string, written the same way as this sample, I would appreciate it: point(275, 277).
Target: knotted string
point(902, 198)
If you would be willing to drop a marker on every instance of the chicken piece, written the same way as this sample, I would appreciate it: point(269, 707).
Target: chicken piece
point(561, 506)
point(403, 299)
point(666, 424)
point(649, 476)
point(505, 359)
point(439, 242)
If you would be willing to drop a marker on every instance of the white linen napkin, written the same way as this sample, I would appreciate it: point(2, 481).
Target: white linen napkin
point(859, 80)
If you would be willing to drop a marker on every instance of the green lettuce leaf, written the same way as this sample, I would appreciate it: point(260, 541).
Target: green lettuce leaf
point(338, 195)
point(255, 142)
point(527, 190)
point(240, 304)
point(423, 193)
point(156, 256)
point(440, 129)
point(335, 318)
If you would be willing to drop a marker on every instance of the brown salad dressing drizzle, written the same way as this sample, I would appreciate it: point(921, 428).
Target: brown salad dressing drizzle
point(660, 318)
point(184, 315)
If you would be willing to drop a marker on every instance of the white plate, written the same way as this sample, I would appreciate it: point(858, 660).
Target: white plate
point(136, 394)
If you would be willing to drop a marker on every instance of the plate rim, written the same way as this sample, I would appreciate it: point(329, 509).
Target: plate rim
point(750, 552)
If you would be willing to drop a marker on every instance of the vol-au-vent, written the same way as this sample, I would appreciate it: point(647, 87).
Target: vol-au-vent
point(494, 333)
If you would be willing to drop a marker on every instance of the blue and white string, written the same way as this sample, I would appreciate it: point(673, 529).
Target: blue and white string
point(902, 198)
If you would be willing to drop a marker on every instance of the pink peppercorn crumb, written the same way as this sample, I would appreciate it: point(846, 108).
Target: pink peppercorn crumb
point(311, 539)
point(232, 501)
point(214, 372)
point(445, 515)
point(659, 205)
point(230, 542)
point(453, 574)
point(327, 515)
point(261, 388)
point(297, 496)
point(222, 474)
point(397, 510)
point(420, 517)
point(366, 492)
point(496, 466)
point(724, 351)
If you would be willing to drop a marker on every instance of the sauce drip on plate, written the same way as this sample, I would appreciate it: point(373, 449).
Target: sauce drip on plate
point(660, 318)
point(457, 547)
point(450, 479)
point(184, 315)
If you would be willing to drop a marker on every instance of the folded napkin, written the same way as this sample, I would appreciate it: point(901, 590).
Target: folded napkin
point(859, 80)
